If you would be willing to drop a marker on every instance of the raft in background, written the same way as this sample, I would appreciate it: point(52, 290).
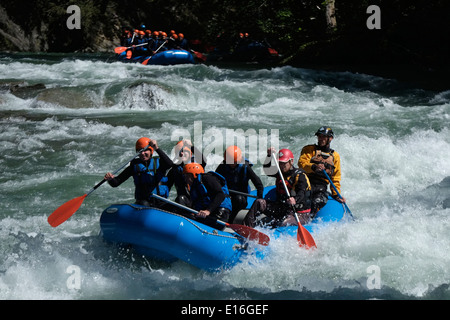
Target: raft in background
point(167, 236)
point(168, 57)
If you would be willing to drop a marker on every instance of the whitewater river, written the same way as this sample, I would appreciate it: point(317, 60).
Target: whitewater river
point(66, 121)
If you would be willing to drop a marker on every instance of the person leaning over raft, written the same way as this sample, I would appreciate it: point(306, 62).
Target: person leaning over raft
point(209, 194)
point(185, 153)
point(146, 171)
point(315, 158)
point(279, 212)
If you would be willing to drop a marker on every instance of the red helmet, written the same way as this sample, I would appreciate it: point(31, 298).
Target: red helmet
point(193, 168)
point(284, 155)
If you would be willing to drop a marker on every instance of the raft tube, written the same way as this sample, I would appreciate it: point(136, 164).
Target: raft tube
point(168, 57)
point(167, 236)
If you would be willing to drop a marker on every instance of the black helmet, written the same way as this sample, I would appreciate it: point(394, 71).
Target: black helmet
point(326, 131)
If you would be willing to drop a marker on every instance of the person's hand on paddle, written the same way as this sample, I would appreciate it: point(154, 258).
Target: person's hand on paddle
point(204, 213)
point(109, 176)
point(339, 199)
point(291, 201)
point(270, 151)
point(318, 167)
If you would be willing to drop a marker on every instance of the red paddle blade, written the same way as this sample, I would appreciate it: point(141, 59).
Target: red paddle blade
point(145, 61)
point(119, 50)
point(65, 211)
point(250, 233)
point(305, 238)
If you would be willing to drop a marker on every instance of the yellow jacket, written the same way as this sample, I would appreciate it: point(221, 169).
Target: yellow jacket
point(304, 162)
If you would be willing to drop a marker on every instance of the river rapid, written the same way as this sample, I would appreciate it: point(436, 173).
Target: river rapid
point(65, 121)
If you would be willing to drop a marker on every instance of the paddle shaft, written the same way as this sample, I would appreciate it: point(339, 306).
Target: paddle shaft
point(285, 186)
point(116, 172)
point(241, 230)
point(146, 60)
point(176, 204)
point(303, 236)
point(337, 192)
point(242, 193)
point(161, 46)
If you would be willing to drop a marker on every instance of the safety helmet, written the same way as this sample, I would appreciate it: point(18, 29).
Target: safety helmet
point(142, 143)
point(284, 155)
point(180, 35)
point(181, 147)
point(232, 154)
point(326, 131)
point(155, 33)
point(193, 168)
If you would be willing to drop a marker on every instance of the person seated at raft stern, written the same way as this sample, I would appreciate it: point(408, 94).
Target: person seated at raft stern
point(237, 171)
point(280, 212)
point(185, 153)
point(209, 195)
point(315, 158)
point(148, 173)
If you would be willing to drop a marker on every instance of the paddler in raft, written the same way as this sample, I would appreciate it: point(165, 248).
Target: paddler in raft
point(280, 212)
point(208, 194)
point(148, 172)
point(314, 159)
point(238, 171)
point(185, 153)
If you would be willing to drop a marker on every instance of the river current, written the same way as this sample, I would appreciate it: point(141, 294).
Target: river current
point(65, 121)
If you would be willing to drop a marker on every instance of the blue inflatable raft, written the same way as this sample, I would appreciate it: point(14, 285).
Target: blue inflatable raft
point(168, 57)
point(169, 237)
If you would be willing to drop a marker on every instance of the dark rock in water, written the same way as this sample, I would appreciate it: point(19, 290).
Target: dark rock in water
point(25, 91)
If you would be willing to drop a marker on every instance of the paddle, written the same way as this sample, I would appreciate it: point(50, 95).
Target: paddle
point(303, 236)
point(146, 60)
point(242, 193)
point(199, 55)
point(119, 50)
point(337, 192)
point(66, 210)
point(242, 230)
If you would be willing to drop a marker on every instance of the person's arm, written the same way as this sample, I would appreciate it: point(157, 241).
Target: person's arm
point(121, 178)
point(256, 182)
point(165, 162)
point(304, 161)
point(336, 177)
point(214, 188)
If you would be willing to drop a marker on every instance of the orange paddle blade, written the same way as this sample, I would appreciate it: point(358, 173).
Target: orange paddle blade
point(250, 233)
point(119, 50)
point(305, 238)
point(65, 211)
point(145, 61)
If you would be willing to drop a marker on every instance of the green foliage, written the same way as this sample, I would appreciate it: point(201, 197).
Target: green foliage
point(418, 29)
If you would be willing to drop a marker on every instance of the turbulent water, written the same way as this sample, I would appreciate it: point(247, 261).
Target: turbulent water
point(66, 121)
